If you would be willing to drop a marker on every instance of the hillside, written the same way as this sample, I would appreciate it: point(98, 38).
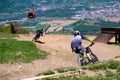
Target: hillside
point(60, 56)
point(48, 8)
point(89, 27)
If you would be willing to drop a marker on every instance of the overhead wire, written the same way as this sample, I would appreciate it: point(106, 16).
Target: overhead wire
point(11, 5)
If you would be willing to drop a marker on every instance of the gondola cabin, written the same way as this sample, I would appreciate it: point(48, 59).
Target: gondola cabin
point(31, 15)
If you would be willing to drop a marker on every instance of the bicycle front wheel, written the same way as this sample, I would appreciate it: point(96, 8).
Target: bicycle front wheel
point(81, 61)
point(95, 58)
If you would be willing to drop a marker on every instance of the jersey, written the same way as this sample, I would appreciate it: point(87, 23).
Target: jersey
point(77, 42)
point(39, 32)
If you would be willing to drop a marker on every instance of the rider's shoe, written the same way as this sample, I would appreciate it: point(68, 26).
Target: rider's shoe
point(92, 61)
point(81, 59)
point(34, 40)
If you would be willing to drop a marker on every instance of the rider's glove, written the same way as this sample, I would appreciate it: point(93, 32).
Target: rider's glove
point(93, 42)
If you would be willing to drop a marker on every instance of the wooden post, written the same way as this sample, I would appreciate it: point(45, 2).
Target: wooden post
point(118, 38)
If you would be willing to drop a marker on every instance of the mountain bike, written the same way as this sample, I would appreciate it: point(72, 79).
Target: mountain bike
point(83, 58)
point(36, 38)
point(38, 34)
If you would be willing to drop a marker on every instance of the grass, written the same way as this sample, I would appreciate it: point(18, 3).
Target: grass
point(7, 35)
point(118, 44)
point(107, 68)
point(115, 77)
point(118, 69)
point(62, 70)
point(111, 64)
point(12, 51)
point(48, 72)
point(71, 69)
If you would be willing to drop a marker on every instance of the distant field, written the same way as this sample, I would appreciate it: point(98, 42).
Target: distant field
point(114, 19)
point(57, 25)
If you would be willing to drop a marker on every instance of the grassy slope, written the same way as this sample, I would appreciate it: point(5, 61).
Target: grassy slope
point(12, 50)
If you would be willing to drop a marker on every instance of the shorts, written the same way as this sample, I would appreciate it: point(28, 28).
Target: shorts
point(79, 48)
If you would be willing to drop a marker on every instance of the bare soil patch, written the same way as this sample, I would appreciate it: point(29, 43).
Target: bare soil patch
point(57, 25)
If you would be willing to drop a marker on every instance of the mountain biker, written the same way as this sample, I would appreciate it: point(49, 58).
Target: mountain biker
point(38, 34)
point(76, 44)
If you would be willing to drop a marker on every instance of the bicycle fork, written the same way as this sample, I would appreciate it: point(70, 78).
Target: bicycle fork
point(83, 57)
point(89, 56)
point(86, 57)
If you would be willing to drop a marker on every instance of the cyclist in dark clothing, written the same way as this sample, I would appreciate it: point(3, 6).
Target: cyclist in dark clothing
point(38, 34)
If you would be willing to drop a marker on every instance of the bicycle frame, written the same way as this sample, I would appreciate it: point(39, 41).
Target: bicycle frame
point(89, 51)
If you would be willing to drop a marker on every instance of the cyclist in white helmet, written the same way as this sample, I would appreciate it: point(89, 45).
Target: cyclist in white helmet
point(76, 43)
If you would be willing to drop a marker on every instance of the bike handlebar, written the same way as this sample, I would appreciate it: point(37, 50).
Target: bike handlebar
point(91, 44)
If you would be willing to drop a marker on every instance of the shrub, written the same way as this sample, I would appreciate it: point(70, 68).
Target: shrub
point(113, 64)
point(48, 72)
point(22, 31)
point(14, 29)
point(118, 69)
point(61, 70)
point(100, 66)
point(7, 35)
point(6, 29)
point(108, 74)
point(71, 69)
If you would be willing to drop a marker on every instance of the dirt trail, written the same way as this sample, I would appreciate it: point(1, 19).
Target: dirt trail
point(60, 56)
